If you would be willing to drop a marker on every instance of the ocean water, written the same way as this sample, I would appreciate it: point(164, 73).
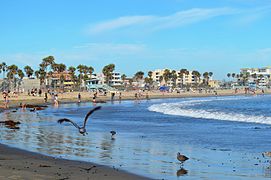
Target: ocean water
point(224, 137)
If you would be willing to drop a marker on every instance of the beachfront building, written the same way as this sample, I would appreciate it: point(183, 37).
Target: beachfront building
point(182, 78)
point(60, 79)
point(29, 83)
point(214, 84)
point(260, 76)
point(115, 80)
point(187, 78)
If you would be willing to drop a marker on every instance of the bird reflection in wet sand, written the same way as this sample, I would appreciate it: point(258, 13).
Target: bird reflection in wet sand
point(181, 158)
point(82, 129)
point(181, 172)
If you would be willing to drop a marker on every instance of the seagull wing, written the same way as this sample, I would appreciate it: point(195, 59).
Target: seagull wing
point(60, 121)
point(89, 113)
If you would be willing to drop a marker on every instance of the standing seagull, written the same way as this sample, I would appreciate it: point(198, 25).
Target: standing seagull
point(113, 133)
point(82, 130)
point(181, 158)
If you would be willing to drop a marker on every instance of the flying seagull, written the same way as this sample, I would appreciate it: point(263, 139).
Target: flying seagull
point(181, 158)
point(82, 129)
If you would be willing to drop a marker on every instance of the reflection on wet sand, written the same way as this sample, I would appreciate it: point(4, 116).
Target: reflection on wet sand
point(181, 172)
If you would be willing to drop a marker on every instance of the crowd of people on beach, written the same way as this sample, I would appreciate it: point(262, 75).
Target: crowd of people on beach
point(100, 97)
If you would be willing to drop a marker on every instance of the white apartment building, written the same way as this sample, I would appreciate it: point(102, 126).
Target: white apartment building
point(100, 79)
point(262, 75)
point(115, 80)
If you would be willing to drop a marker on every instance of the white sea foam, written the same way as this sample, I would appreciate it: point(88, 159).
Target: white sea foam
point(185, 108)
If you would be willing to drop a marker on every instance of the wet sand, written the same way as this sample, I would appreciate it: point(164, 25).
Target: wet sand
point(20, 164)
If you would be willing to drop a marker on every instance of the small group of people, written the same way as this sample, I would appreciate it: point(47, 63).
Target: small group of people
point(34, 92)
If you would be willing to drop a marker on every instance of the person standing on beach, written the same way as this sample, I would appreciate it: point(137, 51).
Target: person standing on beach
point(79, 97)
point(147, 96)
point(112, 96)
point(45, 97)
point(94, 97)
point(40, 92)
point(6, 100)
point(56, 100)
point(120, 96)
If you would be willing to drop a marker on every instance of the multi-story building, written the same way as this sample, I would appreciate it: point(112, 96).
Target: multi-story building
point(115, 80)
point(260, 76)
point(56, 79)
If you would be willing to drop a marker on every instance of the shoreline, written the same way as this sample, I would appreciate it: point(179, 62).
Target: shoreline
point(22, 164)
point(71, 97)
point(17, 163)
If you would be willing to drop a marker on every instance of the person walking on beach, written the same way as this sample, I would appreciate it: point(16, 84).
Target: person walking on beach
point(40, 92)
point(94, 97)
point(79, 97)
point(147, 96)
point(112, 96)
point(45, 97)
point(56, 100)
point(6, 100)
point(120, 96)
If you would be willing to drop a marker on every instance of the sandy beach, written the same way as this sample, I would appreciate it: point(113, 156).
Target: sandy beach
point(72, 97)
point(20, 164)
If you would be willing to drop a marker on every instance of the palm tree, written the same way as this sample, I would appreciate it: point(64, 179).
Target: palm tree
point(229, 75)
point(196, 75)
point(150, 80)
point(21, 76)
point(210, 74)
point(90, 70)
point(48, 61)
point(150, 74)
point(72, 70)
point(174, 77)
point(166, 75)
point(29, 71)
point(206, 77)
point(12, 71)
point(107, 71)
point(181, 76)
point(139, 75)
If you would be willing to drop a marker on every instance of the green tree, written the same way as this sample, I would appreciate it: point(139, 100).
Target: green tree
point(173, 77)
point(29, 71)
point(139, 75)
point(72, 70)
point(166, 75)
point(181, 75)
point(206, 77)
point(196, 75)
point(107, 71)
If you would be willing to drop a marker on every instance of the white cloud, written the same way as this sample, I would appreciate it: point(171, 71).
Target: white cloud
point(152, 22)
point(120, 22)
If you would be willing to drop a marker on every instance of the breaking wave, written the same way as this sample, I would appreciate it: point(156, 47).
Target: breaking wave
point(190, 108)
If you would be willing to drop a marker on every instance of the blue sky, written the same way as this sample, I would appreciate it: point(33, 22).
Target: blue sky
point(208, 35)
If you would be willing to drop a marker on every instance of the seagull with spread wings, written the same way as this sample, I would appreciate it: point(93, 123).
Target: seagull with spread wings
point(82, 129)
